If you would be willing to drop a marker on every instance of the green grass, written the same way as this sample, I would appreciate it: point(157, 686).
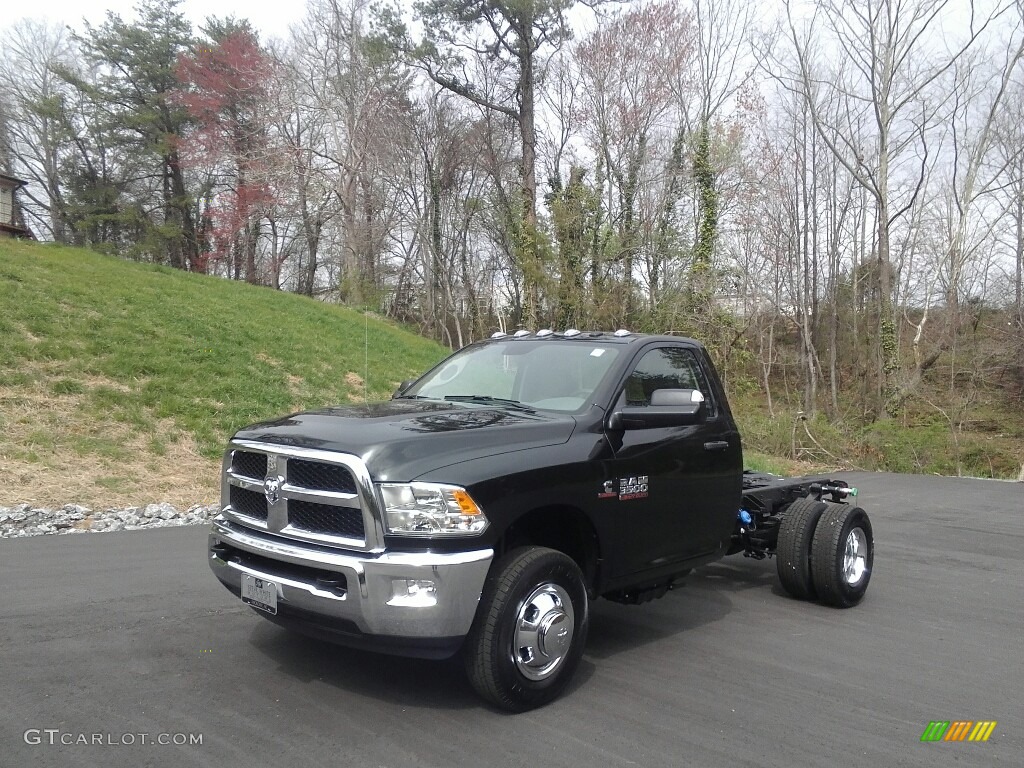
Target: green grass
point(112, 483)
point(141, 345)
point(105, 362)
point(67, 387)
point(761, 462)
point(920, 443)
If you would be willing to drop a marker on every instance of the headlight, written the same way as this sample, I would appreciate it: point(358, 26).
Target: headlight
point(430, 509)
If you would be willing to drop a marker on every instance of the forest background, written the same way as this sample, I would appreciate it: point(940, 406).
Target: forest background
point(828, 194)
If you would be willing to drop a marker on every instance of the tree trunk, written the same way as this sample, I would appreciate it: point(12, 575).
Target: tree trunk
point(351, 279)
point(172, 220)
point(807, 245)
point(666, 216)
point(707, 228)
point(188, 242)
point(311, 226)
point(630, 234)
point(767, 362)
point(888, 346)
point(251, 238)
point(1019, 221)
point(435, 244)
point(527, 245)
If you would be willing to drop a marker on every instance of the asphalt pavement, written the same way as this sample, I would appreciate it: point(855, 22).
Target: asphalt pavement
point(121, 640)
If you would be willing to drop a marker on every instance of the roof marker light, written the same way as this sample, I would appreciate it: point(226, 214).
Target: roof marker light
point(622, 332)
point(570, 333)
point(545, 332)
point(520, 333)
point(498, 335)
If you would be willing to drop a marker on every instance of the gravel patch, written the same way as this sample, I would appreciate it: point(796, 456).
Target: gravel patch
point(26, 520)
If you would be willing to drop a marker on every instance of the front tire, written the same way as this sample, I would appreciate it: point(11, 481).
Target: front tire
point(530, 628)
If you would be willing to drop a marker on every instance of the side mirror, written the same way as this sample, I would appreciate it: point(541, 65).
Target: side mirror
point(668, 408)
point(402, 387)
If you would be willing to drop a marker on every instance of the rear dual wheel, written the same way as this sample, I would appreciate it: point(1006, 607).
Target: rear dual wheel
point(793, 552)
point(842, 555)
point(825, 551)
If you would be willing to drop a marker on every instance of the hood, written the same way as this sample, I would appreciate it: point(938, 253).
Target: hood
point(401, 439)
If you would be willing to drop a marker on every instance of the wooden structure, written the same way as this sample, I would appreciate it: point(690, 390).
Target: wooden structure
point(12, 223)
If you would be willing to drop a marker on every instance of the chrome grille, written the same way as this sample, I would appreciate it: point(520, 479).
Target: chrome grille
point(249, 464)
point(249, 503)
point(306, 494)
point(327, 519)
point(317, 476)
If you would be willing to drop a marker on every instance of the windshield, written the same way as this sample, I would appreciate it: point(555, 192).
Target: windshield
point(551, 375)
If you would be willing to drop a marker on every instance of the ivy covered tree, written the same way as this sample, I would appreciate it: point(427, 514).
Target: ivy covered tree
point(575, 212)
point(492, 53)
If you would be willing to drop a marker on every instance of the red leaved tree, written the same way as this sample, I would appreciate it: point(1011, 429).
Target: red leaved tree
point(224, 87)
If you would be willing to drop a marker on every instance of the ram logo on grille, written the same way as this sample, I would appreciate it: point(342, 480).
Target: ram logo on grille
point(272, 490)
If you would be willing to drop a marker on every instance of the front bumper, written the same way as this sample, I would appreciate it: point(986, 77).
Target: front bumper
point(349, 597)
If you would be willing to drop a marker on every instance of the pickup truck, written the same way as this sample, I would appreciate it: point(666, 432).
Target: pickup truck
point(483, 507)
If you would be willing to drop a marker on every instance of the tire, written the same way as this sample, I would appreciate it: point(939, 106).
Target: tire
point(842, 556)
point(533, 598)
point(793, 552)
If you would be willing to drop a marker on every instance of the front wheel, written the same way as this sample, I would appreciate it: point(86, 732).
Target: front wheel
point(528, 635)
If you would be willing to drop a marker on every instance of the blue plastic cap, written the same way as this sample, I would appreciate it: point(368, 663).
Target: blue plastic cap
point(745, 517)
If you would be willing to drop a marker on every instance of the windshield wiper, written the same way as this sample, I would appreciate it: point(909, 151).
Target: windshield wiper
point(488, 400)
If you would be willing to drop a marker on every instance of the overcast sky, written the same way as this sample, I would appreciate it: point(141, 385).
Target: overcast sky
point(270, 17)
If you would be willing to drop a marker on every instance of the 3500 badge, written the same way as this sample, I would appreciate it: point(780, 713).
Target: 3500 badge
point(628, 488)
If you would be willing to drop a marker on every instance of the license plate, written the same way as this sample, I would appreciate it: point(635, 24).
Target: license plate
point(259, 593)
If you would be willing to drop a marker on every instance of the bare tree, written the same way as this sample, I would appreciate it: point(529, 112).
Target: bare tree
point(725, 62)
point(1010, 160)
point(37, 128)
point(628, 68)
point(510, 40)
point(355, 94)
point(874, 106)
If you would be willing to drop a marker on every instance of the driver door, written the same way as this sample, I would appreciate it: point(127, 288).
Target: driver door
point(674, 487)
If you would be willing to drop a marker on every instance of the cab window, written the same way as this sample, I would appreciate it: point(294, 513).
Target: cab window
point(666, 368)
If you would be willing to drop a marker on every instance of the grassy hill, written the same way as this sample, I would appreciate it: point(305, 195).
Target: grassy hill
point(119, 382)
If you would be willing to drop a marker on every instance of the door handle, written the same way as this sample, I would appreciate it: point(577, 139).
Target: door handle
point(716, 445)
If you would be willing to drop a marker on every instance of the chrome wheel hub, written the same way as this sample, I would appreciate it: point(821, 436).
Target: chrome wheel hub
point(543, 633)
point(855, 557)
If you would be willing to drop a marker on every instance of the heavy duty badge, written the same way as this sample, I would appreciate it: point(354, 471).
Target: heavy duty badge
point(629, 488)
point(633, 488)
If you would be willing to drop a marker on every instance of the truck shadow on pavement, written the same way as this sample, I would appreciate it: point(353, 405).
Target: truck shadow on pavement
point(407, 682)
point(616, 628)
point(737, 574)
point(701, 598)
point(419, 683)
